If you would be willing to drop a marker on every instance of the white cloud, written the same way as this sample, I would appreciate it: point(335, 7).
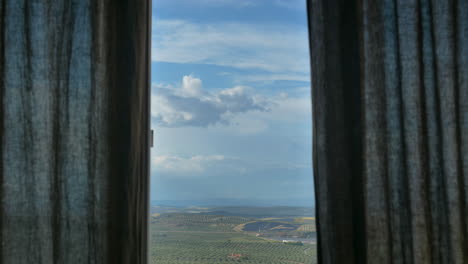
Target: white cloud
point(266, 78)
point(283, 108)
point(247, 125)
point(202, 165)
point(211, 3)
point(291, 109)
point(189, 105)
point(277, 77)
point(273, 48)
point(184, 166)
point(191, 86)
point(293, 4)
point(235, 3)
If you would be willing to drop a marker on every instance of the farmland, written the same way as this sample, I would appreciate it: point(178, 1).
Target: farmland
point(207, 237)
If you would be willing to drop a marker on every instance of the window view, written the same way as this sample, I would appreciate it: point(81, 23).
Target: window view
point(231, 166)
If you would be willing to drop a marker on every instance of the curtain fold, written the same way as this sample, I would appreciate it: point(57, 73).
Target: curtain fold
point(74, 131)
point(390, 90)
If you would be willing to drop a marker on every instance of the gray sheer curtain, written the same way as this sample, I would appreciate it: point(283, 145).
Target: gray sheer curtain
point(390, 97)
point(74, 131)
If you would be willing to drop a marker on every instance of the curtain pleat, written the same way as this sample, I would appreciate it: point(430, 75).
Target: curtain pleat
point(74, 135)
point(406, 201)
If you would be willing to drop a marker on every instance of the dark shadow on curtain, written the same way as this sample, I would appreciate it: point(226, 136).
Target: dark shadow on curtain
point(74, 86)
point(390, 98)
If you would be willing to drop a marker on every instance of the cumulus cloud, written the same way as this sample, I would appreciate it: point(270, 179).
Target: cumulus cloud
point(271, 48)
point(189, 105)
point(191, 86)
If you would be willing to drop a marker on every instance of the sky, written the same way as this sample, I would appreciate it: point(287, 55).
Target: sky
point(231, 104)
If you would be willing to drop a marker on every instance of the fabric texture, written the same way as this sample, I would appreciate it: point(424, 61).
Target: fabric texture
point(390, 100)
point(74, 131)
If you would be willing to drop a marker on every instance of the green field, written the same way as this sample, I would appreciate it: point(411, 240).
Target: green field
point(195, 238)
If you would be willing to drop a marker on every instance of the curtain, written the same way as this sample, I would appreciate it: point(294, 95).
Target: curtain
point(390, 100)
point(74, 131)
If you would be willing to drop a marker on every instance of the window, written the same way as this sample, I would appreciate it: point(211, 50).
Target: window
point(231, 166)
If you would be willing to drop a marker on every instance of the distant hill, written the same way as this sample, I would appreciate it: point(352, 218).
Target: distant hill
point(257, 211)
point(246, 211)
point(231, 202)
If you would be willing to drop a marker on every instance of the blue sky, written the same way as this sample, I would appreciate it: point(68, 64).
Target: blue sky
point(231, 101)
